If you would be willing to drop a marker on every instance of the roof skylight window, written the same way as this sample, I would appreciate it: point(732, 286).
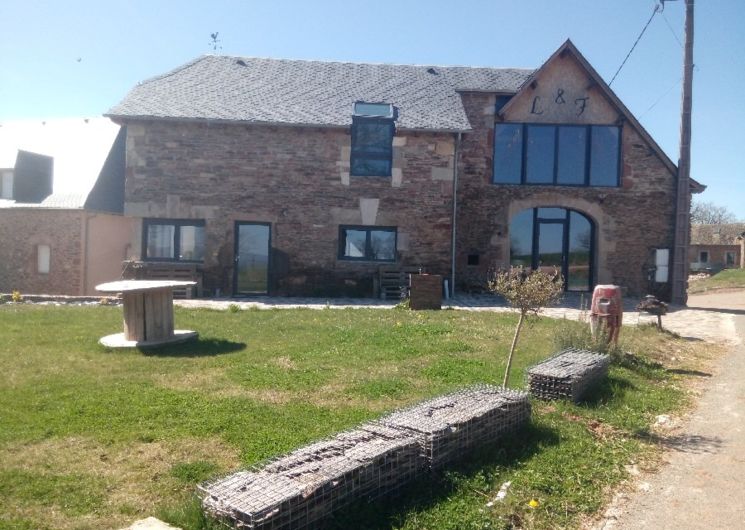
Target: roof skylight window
point(373, 110)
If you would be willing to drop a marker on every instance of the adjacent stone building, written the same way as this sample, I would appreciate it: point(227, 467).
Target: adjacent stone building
point(309, 177)
point(53, 241)
point(717, 246)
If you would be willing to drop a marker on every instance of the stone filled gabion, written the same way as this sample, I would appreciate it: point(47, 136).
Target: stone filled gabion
point(301, 488)
point(567, 374)
point(450, 425)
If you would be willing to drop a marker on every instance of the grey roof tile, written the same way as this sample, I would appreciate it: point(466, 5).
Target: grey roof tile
point(319, 93)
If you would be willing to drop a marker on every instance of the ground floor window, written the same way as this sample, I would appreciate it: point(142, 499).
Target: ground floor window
point(173, 239)
point(703, 256)
point(554, 238)
point(367, 243)
point(729, 258)
point(43, 254)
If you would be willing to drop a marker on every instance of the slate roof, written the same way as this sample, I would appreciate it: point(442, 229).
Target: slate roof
point(294, 92)
point(716, 234)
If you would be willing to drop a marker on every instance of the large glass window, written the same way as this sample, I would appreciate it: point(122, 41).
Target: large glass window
point(364, 243)
point(173, 240)
point(567, 155)
point(572, 149)
point(604, 156)
point(372, 146)
point(508, 153)
point(539, 156)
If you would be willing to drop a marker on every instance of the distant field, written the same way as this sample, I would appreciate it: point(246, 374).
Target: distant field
point(92, 438)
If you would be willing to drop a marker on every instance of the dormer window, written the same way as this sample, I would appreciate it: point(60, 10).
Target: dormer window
point(373, 110)
point(372, 139)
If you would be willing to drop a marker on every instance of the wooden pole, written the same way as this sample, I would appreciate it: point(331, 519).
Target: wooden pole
point(683, 207)
point(512, 349)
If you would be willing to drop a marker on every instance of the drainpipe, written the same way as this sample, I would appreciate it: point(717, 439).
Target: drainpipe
point(457, 137)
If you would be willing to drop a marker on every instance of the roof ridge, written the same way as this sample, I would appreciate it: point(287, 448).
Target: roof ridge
point(361, 63)
point(176, 70)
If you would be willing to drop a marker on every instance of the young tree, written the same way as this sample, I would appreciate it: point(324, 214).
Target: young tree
point(528, 292)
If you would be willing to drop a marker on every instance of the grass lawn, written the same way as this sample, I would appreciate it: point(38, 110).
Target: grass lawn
point(92, 438)
point(726, 279)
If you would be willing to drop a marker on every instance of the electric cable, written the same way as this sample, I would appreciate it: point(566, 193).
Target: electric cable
point(654, 12)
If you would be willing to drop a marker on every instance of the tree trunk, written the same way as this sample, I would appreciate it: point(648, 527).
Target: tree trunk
point(512, 349)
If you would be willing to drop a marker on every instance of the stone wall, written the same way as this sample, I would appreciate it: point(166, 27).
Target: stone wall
point(717, 256)
point(631, 221)
point(298, 180)
point(21, 231)
point(85, 249)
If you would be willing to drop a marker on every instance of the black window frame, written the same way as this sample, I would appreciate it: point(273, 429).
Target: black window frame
point(565, 221)
point(701, 254)
point(586, 183)
point(177, 224)
point(368, 243)
point(359, 152)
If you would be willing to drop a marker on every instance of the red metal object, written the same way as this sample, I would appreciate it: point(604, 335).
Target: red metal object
point(606, 310)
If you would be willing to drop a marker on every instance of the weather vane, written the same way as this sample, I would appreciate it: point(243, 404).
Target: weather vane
point(215, 42)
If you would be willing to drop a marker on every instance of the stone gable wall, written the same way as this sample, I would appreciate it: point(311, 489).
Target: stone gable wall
point(298, 180)
point(631, 220)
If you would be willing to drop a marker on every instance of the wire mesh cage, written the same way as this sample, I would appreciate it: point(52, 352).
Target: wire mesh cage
point(568, 374)
point(301, 488)
point(298, 490)
point(450, 425)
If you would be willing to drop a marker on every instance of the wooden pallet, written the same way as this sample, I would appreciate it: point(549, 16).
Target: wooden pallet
point(161, 270)
point(393, 280)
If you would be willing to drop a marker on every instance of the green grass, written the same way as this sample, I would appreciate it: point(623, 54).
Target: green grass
point(94, 438)
point(726, 279)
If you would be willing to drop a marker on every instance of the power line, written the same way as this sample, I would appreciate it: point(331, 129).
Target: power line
point(667, 22)
point(653, 105)
point(654, 12)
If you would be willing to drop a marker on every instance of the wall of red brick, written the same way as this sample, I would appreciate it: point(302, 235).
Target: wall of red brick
point(717, 256)
point(85, 249)
point(21, 231)
point(298, 180)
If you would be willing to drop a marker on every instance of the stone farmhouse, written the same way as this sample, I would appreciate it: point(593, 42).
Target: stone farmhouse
point(309, 177)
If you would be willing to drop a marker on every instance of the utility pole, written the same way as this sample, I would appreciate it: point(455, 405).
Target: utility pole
point(683, 206)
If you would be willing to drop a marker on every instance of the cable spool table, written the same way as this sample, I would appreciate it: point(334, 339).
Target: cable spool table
point(148, 313)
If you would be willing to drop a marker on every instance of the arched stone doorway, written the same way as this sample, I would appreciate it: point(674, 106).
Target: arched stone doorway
point(553, 237)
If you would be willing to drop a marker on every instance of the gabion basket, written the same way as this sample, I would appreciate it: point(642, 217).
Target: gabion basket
point(568, 374)
point(301, 488)
point(450, 425)
point(298, 490)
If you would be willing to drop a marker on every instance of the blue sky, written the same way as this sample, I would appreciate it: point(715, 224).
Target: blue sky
point(78, 58)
